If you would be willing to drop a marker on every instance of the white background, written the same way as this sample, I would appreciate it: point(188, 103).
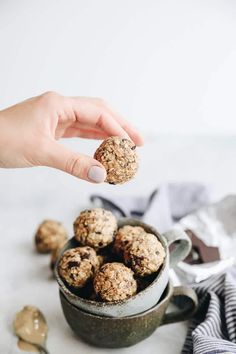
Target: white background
point(168, 66)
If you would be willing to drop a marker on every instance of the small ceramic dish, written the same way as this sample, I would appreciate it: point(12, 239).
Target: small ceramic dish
point(144, 299)
point(123, 332)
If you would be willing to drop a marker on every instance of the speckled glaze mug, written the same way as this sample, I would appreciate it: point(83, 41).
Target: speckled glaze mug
point(146, 298)
point(120, 332)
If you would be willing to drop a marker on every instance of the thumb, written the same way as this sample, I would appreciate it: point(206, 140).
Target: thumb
point(78, 165)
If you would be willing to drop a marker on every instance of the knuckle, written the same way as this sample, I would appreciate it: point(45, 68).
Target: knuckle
point(50, 94)
point(100, 121)
point(101, 102)
point(74, 166)
point(49, 97)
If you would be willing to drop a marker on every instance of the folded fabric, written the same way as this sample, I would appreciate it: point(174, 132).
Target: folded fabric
point(213, 328)
point(162, 208)
point(185, 204)
point(188, 274)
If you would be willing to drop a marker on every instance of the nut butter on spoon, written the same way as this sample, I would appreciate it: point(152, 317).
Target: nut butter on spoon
point(27, 347)
point(31, 328)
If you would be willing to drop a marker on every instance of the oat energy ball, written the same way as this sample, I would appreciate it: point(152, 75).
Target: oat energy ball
point(95, 227)
point(119, 158)
point(114, 281)
point(50, 235)
point(78, 265)
point(54, 255)
point(101, 260)
point(145, 255)
point(125, 236)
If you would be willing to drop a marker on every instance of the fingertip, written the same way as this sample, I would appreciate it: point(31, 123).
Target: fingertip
point(97, 174)
point(140, 141)
point(124, 135)
point(133, 136)
point(137, 138)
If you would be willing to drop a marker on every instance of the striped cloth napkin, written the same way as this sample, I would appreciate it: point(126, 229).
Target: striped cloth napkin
point(213, 328)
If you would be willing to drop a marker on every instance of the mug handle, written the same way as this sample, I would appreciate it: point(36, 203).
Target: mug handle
point(182, 248)
point(185, 312)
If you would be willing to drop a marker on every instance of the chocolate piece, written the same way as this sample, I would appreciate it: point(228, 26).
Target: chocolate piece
point(200, 252)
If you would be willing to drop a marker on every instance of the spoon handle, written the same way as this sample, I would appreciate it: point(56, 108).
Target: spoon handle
point(43, 349)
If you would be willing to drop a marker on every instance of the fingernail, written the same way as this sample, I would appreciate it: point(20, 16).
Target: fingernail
point(97, 174)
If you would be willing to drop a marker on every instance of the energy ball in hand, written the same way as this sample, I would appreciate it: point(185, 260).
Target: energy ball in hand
point(119, 158)
point(125, 236)
point(145, 255)
point(114, 282)
point(95, 227)
point(78, 265)
point(50, 235)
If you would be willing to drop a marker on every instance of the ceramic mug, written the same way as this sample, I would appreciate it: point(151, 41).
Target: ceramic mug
point(146, 298)
point(120, 332)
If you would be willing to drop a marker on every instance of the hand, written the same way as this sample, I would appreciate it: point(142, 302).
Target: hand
point(29, 132)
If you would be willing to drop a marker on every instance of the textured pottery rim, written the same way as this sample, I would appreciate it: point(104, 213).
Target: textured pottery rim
point(168, 291)
point(100, 304)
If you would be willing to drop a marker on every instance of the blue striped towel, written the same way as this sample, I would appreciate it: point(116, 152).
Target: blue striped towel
point(213, 329)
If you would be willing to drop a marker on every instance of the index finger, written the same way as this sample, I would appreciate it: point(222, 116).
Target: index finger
point(97, 114)
point(131, 131)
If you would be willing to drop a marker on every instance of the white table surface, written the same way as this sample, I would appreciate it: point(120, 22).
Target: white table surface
point(28, 196)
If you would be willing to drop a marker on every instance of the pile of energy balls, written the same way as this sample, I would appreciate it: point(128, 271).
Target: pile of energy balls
point(112, 261)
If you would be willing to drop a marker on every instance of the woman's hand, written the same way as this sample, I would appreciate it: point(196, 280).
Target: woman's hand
point(29, 132)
